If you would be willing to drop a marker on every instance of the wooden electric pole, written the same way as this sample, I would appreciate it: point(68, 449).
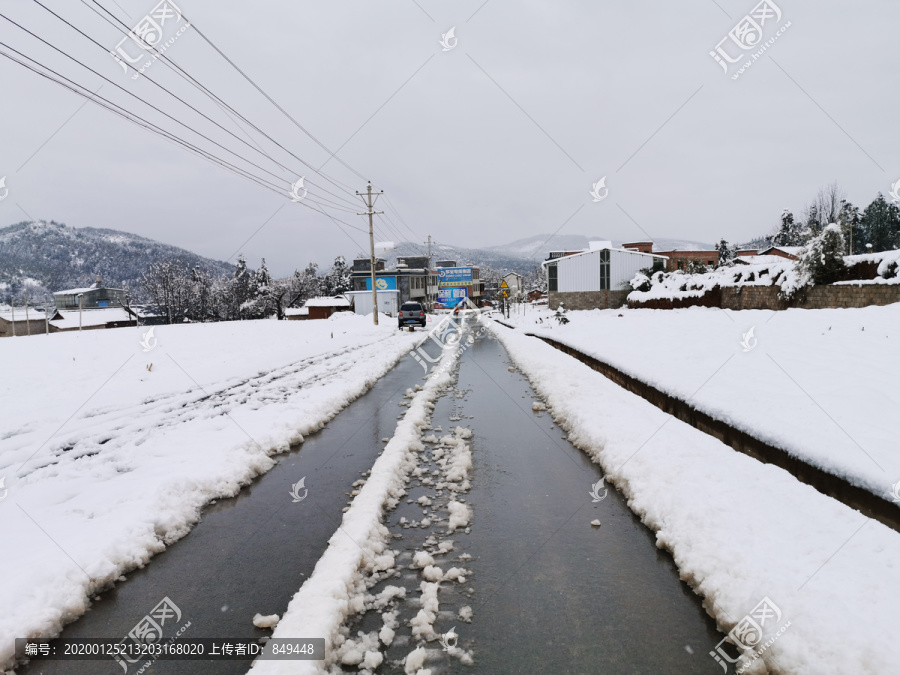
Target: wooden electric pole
point(370, 212)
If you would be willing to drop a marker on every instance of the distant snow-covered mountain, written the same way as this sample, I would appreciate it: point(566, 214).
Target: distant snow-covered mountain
point(50, 256)
point(523, 255)
point(540, 245)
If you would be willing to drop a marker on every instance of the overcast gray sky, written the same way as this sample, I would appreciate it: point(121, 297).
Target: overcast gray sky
point(499, 138)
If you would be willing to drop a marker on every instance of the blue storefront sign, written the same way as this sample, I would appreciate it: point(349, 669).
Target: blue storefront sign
point(382, 283)
point(454, 277)
point(451, 297)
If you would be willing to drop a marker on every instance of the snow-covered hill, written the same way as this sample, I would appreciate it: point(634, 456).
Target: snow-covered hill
point(540, 245)
point(50, 256)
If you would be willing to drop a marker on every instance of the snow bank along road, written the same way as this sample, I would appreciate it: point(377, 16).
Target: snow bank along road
point(819, 384)
point(748, 537)
point(860, 499)
point(109, 452)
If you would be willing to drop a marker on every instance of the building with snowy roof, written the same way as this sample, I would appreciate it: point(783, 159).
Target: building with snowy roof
point(93, 319)
point(322, 307)
point(597, 278)
point(788, 252)
point(296, 313)
point(93, 296)
point(15, 321)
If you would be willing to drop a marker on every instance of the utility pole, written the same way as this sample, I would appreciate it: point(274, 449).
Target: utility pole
point(27, 320)
point(370, 212)
point(429, 249)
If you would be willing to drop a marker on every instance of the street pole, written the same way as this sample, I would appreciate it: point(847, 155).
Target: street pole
point(370, 212)
point(80, 298)
point(27, 320)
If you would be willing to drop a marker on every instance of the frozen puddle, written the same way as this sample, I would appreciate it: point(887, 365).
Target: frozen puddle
point(411, 616)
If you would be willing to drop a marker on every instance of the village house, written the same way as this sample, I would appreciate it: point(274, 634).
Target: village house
point(13, 322)
point(322, 308)
point(597, 278)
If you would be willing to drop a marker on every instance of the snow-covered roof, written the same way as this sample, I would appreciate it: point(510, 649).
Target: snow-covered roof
point(617, 250)
point(92, 287)
point(327, 302)
point(759, 259)
point(71, 291)
point(91, 317)
point(33, 314)
point(296, 311)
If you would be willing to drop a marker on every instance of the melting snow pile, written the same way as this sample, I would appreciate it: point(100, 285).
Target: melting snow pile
point(358, 555)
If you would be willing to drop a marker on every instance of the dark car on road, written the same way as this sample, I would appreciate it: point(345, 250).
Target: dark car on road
point(411, 314)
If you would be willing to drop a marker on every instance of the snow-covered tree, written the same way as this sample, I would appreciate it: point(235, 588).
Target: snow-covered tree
point(241, 289)
point(880, 225)
point(849, 221)
point(824, 209)
point(168, 285)
point(790, 233)
point(727, 253)
point(337, 281)
point(823, 260)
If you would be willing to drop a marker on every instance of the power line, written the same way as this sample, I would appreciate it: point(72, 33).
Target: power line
point(150, 126)
point(181, 100)
point(175, 67)
point(272, 101)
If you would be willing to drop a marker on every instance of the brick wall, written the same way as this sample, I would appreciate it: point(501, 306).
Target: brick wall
point(766, 297)
point(589, 299)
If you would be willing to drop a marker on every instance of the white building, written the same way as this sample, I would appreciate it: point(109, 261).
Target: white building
point(515, 284)
point(388, 301)
point(595, 279)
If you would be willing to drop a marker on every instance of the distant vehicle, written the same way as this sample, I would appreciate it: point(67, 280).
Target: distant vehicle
point(411, 314)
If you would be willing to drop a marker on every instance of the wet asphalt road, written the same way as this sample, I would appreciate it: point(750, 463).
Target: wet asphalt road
point(550, 593)
point(554, 594)
point(251, 553)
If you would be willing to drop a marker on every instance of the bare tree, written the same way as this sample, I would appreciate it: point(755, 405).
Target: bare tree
point(825, 208)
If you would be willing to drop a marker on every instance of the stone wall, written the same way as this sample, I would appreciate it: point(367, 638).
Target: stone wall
point(766, 297)
point(589, 299)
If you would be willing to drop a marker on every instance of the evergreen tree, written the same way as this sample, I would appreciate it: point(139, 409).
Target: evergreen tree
point(850, 223)
point(880, 225)
point(337, 281)
point(823, 260)
point(241, 289)
point(790, 233)
point(813, 227)
point(727, 253)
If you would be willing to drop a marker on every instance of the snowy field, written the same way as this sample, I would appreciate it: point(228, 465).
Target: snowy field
point(820, 384)
point(740, 531)
point(109, 452)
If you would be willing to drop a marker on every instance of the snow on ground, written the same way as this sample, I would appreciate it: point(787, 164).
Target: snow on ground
point(110, 452)
point(357, 552)
point(820, 384)
point(739, 530)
